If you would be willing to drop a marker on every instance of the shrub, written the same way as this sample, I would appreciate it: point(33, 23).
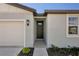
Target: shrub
point(25, 50)
point(74, 51)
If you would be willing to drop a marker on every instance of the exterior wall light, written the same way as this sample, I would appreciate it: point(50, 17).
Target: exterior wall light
point(28, 22)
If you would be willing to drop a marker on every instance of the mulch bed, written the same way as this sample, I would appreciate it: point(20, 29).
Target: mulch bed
point(29, 54)
point(63, 51)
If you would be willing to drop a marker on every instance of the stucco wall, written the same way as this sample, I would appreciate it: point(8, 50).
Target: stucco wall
point(10, 13)
point(56, 31)
point(30, 31)
point(11, 9)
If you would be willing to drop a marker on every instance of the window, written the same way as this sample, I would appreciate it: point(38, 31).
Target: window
point(72, 25)
point(73, 30)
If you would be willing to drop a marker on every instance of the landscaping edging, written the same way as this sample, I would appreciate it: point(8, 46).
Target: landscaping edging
point(29, 54)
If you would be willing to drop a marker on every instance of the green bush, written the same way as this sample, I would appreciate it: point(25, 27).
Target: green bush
point(25, 50)
point(74, 51)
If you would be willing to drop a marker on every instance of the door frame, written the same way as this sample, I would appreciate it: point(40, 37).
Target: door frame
point(36, 29)
point(37, 36)
point(43, 18)
point(44, 34)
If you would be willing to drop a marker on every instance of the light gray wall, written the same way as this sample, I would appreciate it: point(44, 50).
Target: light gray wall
point(30, 31)
point(14, 15)
point(11, 9)
point(56, 31)
point(11, 13)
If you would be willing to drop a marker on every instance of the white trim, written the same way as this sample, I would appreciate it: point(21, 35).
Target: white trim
point(70, 35)
point(39, 17)
point(25, 33)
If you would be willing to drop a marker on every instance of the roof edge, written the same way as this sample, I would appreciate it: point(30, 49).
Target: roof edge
point(62, 11)
point(46, 11)
point(22, 7)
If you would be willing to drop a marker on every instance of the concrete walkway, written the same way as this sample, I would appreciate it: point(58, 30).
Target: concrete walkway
point(40, 48)
point(9, 50)
point(39, 44)
point(40, 52)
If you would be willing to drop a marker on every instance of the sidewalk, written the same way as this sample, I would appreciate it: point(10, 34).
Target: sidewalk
point(40, 52)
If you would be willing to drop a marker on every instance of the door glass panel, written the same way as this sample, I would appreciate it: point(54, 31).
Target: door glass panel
point(39, 24)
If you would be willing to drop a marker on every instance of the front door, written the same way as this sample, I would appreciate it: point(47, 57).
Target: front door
point(40, 30)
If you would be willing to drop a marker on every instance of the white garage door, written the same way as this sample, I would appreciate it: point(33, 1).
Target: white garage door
point(11, 33)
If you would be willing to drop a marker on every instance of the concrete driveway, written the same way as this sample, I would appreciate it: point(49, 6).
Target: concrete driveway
point(9, 51)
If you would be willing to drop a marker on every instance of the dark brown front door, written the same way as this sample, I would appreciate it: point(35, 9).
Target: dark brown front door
point(40, 30)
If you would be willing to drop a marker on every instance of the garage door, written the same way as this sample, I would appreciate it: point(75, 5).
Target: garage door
point(11, 33)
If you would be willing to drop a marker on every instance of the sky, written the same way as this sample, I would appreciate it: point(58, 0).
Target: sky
point(40, 7)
